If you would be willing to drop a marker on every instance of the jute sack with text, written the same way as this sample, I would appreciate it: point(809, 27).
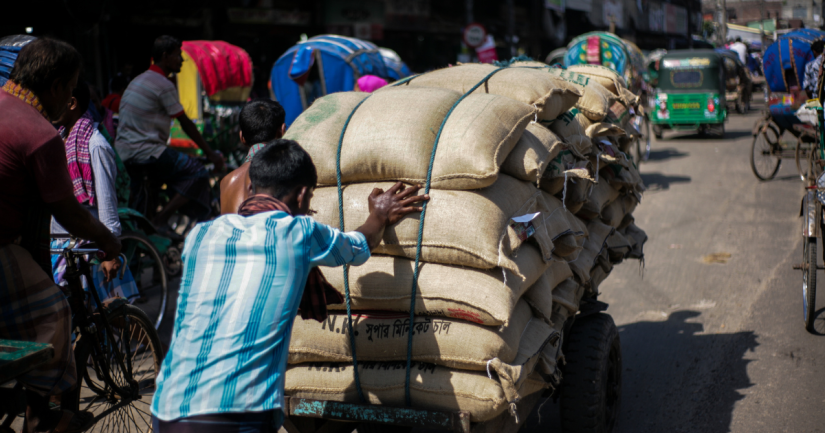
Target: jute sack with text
point(432, 386)
point(486, 297)
point(382, 336)
point(466, 228)
point(391, 136)
point(534, 151)
point(605, 76)
point(566, 165)
point(551, 95)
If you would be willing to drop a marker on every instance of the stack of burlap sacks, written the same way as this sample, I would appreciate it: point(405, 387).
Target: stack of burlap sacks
point(505, 258)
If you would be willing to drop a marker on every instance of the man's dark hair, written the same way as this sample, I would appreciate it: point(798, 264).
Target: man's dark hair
point(818, 46)
point(281, 166)
point(164, 45)
point(261, 121)
point(738, 39)
point(44, 60)
point(83, 95)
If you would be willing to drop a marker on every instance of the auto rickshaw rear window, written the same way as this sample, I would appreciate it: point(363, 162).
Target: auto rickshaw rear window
point(686, 78)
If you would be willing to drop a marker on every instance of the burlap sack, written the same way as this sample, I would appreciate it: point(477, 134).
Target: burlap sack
point(486, 297)
point(391, 136)
point(595, 101)
point(432, 386)
point(579, 132)
point(467, 228)
point(607, 77)
point(581, 267)
point(382, 336)
point(566, 165)
point(540, 295)
point(576, 193)
point(570, 233)
point(618, 247)
point(638, 238)
point(603, 194)
point(534, 151)
point(568, 294)
point(550, 95)
point(601, 269)
point(614, 213)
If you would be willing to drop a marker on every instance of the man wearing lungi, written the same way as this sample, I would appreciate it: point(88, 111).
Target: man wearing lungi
point(36, 186)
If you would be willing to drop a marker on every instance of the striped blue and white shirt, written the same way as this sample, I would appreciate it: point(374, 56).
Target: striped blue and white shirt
point(243, 278)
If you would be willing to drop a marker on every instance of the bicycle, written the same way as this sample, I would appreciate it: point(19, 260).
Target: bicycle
point(811, 221)
point(117, 350)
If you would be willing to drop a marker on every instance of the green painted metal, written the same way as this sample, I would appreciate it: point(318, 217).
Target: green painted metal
point(18, 357)
point(331, 410)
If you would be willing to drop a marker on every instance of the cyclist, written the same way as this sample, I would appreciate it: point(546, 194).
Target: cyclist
point(261, 122)
point(147, 107)
point(246, 275)
point(36, 185)
point(93, 169)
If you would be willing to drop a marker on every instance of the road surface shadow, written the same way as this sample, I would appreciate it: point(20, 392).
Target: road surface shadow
point(677, 379)
point(729, 135)
point(819, 323)
point(668, 153)
point(659, 181)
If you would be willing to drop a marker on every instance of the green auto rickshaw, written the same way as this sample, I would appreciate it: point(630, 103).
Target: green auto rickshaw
point(690, 93)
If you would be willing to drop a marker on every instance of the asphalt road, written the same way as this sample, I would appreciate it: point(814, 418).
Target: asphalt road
point(714, 347)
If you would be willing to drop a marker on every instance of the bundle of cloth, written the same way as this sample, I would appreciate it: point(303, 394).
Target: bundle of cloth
point(505, 254)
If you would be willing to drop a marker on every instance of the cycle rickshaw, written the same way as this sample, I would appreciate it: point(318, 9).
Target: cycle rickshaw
point(784, 67)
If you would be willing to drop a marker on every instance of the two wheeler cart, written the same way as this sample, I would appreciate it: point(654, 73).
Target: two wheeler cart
point(589, 392)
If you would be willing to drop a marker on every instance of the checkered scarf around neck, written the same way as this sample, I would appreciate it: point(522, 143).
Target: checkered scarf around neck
point(26, 96)
point(79, 158)
point(318, 293)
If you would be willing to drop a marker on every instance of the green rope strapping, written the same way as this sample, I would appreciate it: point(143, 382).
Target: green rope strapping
point(421, 234)
point(346, 267)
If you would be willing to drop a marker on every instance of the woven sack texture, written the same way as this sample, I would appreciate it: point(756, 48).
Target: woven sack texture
point(595, 101)
point(391, 136)
point(486, 297)
point(549, 94)
point(534, 151)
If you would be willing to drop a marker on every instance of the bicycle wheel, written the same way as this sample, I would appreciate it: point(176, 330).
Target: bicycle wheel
point(147, 268)
point(809, 282)
point(138, 347)
point(643, 142)
point(764, 161)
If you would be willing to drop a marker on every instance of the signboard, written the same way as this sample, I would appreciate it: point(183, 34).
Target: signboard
point(354, 11)
point(487, 51)
point(474, 35)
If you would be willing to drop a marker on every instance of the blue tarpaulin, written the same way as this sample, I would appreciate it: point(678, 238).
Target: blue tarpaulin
point(322, 65)
point(791, 53)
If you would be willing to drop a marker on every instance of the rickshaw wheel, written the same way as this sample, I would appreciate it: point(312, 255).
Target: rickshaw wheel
point(764, 161)
point(658, 132)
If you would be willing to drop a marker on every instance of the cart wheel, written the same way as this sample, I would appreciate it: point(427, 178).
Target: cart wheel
point(809, 262)
point(658, 132)
point(591, 386)
point(764, 161)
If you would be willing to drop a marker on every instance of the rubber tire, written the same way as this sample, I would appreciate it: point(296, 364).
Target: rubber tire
point(658, 132)
point(126, 235)
point(753, 162)
point(83, 351)
point(593, 352)
point(809, 295)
